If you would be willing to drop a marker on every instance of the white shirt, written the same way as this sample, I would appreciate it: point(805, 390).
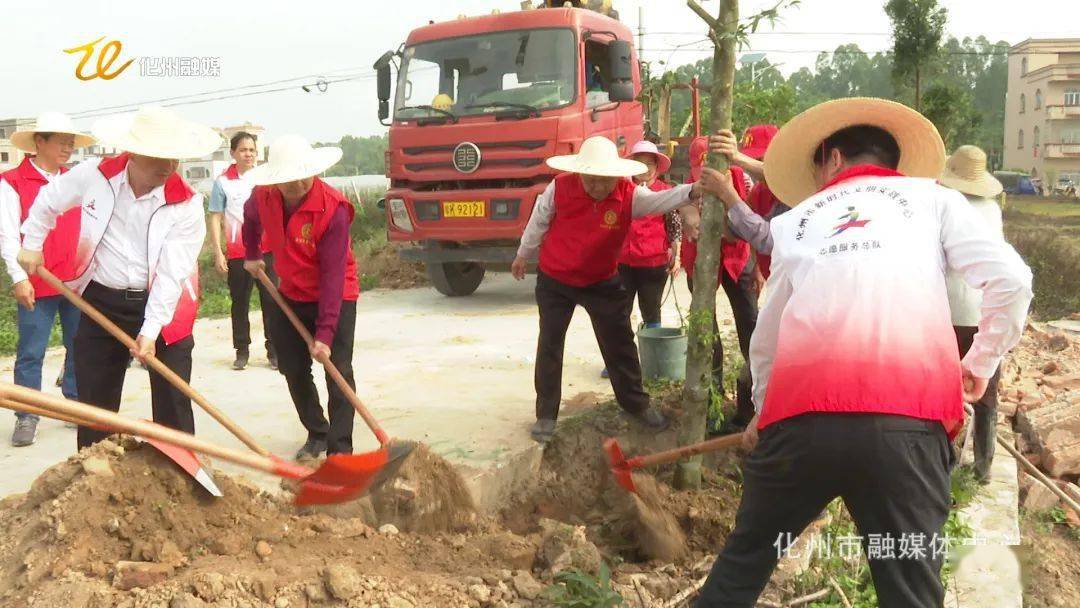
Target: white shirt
point(10, 220)
point(122, 260)
point(964, 300)
point(646, 202)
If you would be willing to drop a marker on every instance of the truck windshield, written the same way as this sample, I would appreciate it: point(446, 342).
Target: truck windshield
point(486, 73)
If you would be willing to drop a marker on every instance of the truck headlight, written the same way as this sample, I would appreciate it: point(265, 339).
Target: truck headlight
point(399, 214)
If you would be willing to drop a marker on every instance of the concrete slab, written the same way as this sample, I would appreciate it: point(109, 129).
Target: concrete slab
point(989, 573)
point(454, 373)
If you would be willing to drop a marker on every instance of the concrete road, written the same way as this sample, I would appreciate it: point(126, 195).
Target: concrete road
point(455, 373)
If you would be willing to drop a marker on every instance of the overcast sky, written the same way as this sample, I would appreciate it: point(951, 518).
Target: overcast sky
point(272, 40)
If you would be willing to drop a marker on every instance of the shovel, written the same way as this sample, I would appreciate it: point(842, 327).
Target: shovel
point(154, 363)
point(185, 459)
point(621, 467)
point(399, 449)
point(340, 478)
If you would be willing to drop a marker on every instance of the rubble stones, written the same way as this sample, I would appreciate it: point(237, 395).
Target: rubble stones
point(342, 582)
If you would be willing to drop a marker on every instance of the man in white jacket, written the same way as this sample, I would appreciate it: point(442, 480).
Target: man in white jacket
point(857, 381)
point(965, 172)
point(141, 233)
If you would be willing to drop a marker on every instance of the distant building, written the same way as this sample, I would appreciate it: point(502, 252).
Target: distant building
point(1042, 114)
point(10, 156)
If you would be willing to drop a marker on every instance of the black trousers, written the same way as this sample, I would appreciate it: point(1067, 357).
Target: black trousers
point(608, 304)
point(647, 283)
point(892, 473)
point(984, 433)
point(743, 303)
point(294, 362)
point(240, 284)
point(101, 363)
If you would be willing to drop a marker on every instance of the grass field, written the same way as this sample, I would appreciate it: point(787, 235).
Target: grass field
point(1047, 234)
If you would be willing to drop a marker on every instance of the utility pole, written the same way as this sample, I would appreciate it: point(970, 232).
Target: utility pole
point(723, 30)
point(640, 29)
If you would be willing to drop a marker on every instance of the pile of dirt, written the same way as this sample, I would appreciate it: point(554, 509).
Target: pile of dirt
point(120, 525)
point(1050, 559)
point(389, 270)
point(576, 486)
point(427, 495)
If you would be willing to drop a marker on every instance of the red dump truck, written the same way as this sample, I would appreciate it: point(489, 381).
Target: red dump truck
point(479, 104)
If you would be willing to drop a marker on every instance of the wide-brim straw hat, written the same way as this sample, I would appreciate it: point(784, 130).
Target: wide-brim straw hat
point(292, 158)
point(597, 156)
point(789, 161)
point(966, 171)
point(157, 132)
point(49, 122)
point(663, 162)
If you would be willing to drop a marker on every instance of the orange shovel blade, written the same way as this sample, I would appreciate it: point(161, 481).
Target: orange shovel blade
point(619, 467)
point(343, 477)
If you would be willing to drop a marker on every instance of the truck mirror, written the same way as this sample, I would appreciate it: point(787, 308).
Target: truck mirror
point(382, 69)
point(621, 68)
point(384, 110)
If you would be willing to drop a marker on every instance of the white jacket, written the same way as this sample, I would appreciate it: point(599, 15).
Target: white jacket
point(175, 237)
point(964, 300)
point(856, 317)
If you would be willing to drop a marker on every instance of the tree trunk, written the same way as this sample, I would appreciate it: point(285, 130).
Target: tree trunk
point(703, 305)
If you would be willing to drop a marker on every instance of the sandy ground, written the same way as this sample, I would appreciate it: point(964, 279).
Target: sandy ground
point(455, 373)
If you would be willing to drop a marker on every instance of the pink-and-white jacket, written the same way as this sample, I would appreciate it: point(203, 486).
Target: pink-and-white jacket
point(175, 237)
point(856, 317)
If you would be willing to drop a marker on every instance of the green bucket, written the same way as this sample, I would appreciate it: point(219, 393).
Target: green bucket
point(663, 353)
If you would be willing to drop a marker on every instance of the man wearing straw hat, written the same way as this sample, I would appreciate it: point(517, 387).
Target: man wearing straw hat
point(141, 233)
point(857, 381)
point(50, 141)
point(965, 172)
point(578, 227)
point(306, 226)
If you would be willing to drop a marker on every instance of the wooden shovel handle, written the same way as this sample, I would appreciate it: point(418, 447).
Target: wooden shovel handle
point(1030, 468)
point(152, 361)
point(30, 409)
point(712, 445)
point(23, 399)
point(331, 369)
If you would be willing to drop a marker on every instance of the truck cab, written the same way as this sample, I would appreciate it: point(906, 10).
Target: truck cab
point(480, 103)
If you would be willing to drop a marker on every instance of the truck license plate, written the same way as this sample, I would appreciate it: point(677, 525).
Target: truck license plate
point(464, 209)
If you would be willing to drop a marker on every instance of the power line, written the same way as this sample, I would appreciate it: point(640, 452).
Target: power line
point(238, 95)
point(131, 106)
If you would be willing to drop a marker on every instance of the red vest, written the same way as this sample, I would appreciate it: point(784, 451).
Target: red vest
point(583, 243)
point(762, 200)
point(293, 246)
point(733, 254)
point(176, 191)
point(647, 244)
point(60, 245)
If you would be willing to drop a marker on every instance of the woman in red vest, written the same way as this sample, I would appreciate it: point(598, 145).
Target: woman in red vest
point(651, 246)
point(306, 227)
point(578, 227)
point(51, 141)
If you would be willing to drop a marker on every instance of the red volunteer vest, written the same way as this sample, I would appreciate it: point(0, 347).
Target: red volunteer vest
point(647, 244)
point(583, 243)
point(733, 254)
point(187, 307)
point(762, 200)
point(293, 246)
point(60, 245)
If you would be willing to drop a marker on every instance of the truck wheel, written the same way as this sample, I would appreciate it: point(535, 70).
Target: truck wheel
point(456, 278)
